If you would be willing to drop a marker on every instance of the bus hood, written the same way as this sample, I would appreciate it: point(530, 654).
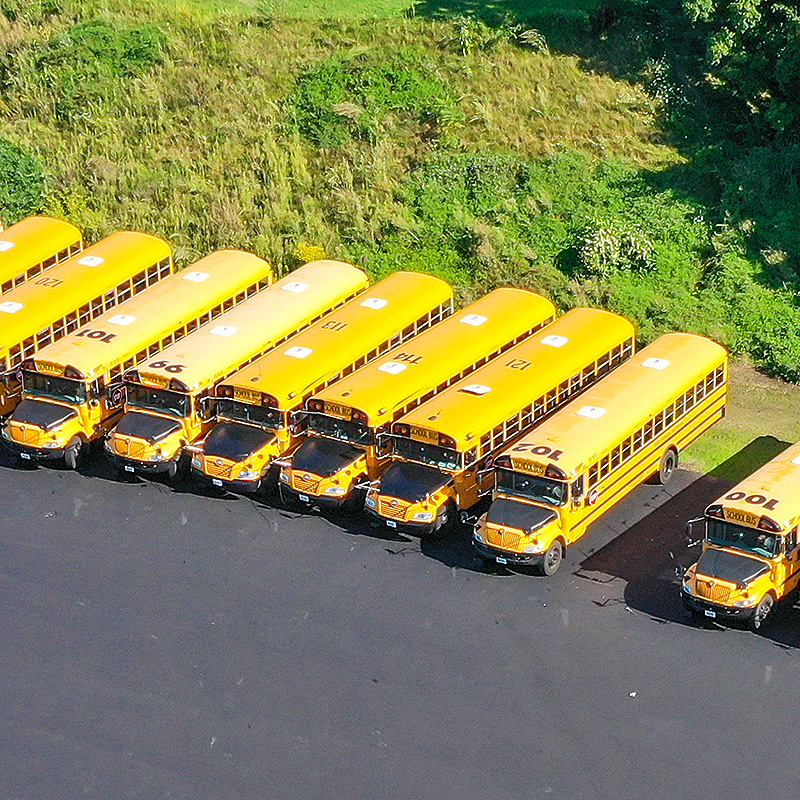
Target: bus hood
point(324, 457)
point(149, 427)
point(505, 513)
point(235, 441)
point(42, 414)
point(725, 565)
point(411, 482)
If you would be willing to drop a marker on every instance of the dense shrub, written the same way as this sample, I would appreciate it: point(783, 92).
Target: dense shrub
point(354, 96)
point(21, 183)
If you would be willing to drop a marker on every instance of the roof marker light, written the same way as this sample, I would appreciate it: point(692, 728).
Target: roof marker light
point(656, 363)
point(593, 412)
point(555, 341)
point(196, 277)
point(476, 388)
point(9, 307)
point(5, 245)
point(91, 261)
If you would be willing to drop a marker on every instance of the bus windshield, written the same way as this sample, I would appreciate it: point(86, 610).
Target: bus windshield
point(266, 416)
point(161, 400)
point(64, 389)
point(346, 430)
point(740, 537)
point(442, 457)
point(532, 487)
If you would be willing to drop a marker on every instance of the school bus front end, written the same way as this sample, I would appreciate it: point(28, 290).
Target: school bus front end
point(529, 522)
point(750, 558)
point(61, 412)
point(161, 416)
point(333, 464)
point(425, 485)
point(251, 432)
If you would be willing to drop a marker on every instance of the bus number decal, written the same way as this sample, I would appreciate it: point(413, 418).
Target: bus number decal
point(539, 450)
point(753, 499)
point(333, 326)
point(518, 363)
point(101, 336)
point(49, 281)
point(167, 367)
point(409, 358)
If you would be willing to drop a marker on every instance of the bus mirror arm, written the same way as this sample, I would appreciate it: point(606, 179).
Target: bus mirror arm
point(690, 540)
point(281, 463)
point(194, 449)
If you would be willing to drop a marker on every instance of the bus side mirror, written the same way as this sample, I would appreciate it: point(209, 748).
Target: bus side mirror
point(691, 541)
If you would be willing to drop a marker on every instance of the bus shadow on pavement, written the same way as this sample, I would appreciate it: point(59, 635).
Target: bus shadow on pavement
point(647, 554)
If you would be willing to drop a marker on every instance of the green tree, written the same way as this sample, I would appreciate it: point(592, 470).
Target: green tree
point(753, 55)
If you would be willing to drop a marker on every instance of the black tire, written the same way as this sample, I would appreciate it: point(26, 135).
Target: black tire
point(552, 559)
point(762, 611)
point(73, 452)
point(669, 463)
point(446, 521)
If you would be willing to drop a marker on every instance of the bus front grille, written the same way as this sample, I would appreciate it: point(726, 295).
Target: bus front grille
point(501, 538)
point(712, 590)
point(393, 509)
point(218, 469)
point(305, 483)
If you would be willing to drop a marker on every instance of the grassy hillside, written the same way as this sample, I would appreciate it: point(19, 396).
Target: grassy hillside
point(549, 145)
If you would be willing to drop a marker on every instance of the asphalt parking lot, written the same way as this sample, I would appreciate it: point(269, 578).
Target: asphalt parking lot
point(163, 644)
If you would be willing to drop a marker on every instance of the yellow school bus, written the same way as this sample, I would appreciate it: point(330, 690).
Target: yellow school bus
point(348, 422)
point(629, 427)
point(33, 245)
point(169, 399)
point(70, 295)
point(72, 389)
point(750, 556)
point(443, 450)
point(259, 409)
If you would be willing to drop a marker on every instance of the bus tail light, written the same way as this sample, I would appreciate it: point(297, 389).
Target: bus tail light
point(316, 405)
point(447, 441)
point(269, 400)
point(71, 372)
point(401, 429)
point(28, 363)
point(359, 416)
point(767, 524)
point(225, 391)
point(715, 511)
point(555, 472)
point(503, 461)
point(132, 375)
point(178, 386)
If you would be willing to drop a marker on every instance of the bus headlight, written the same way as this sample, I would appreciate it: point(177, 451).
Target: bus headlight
point(248, 474)
point(335, 490)
point(370, 502)
point(533, 548)
point(423, 516)
point(283, 477)
point(156, 457)
point(750, 601)
point(477, 537)
point(50, 445)
point(197, 462)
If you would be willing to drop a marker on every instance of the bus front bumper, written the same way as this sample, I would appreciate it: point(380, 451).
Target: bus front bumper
point(404, 525)
point(141, 467)
point(320, 501)
point(28, 453)
point(250, 486)
point(715, 610)
point(506, 556)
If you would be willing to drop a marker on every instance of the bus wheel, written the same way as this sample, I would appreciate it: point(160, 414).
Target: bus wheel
point(552, 558)
point(73, 453)
point(669, 463)
point(762, 611)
